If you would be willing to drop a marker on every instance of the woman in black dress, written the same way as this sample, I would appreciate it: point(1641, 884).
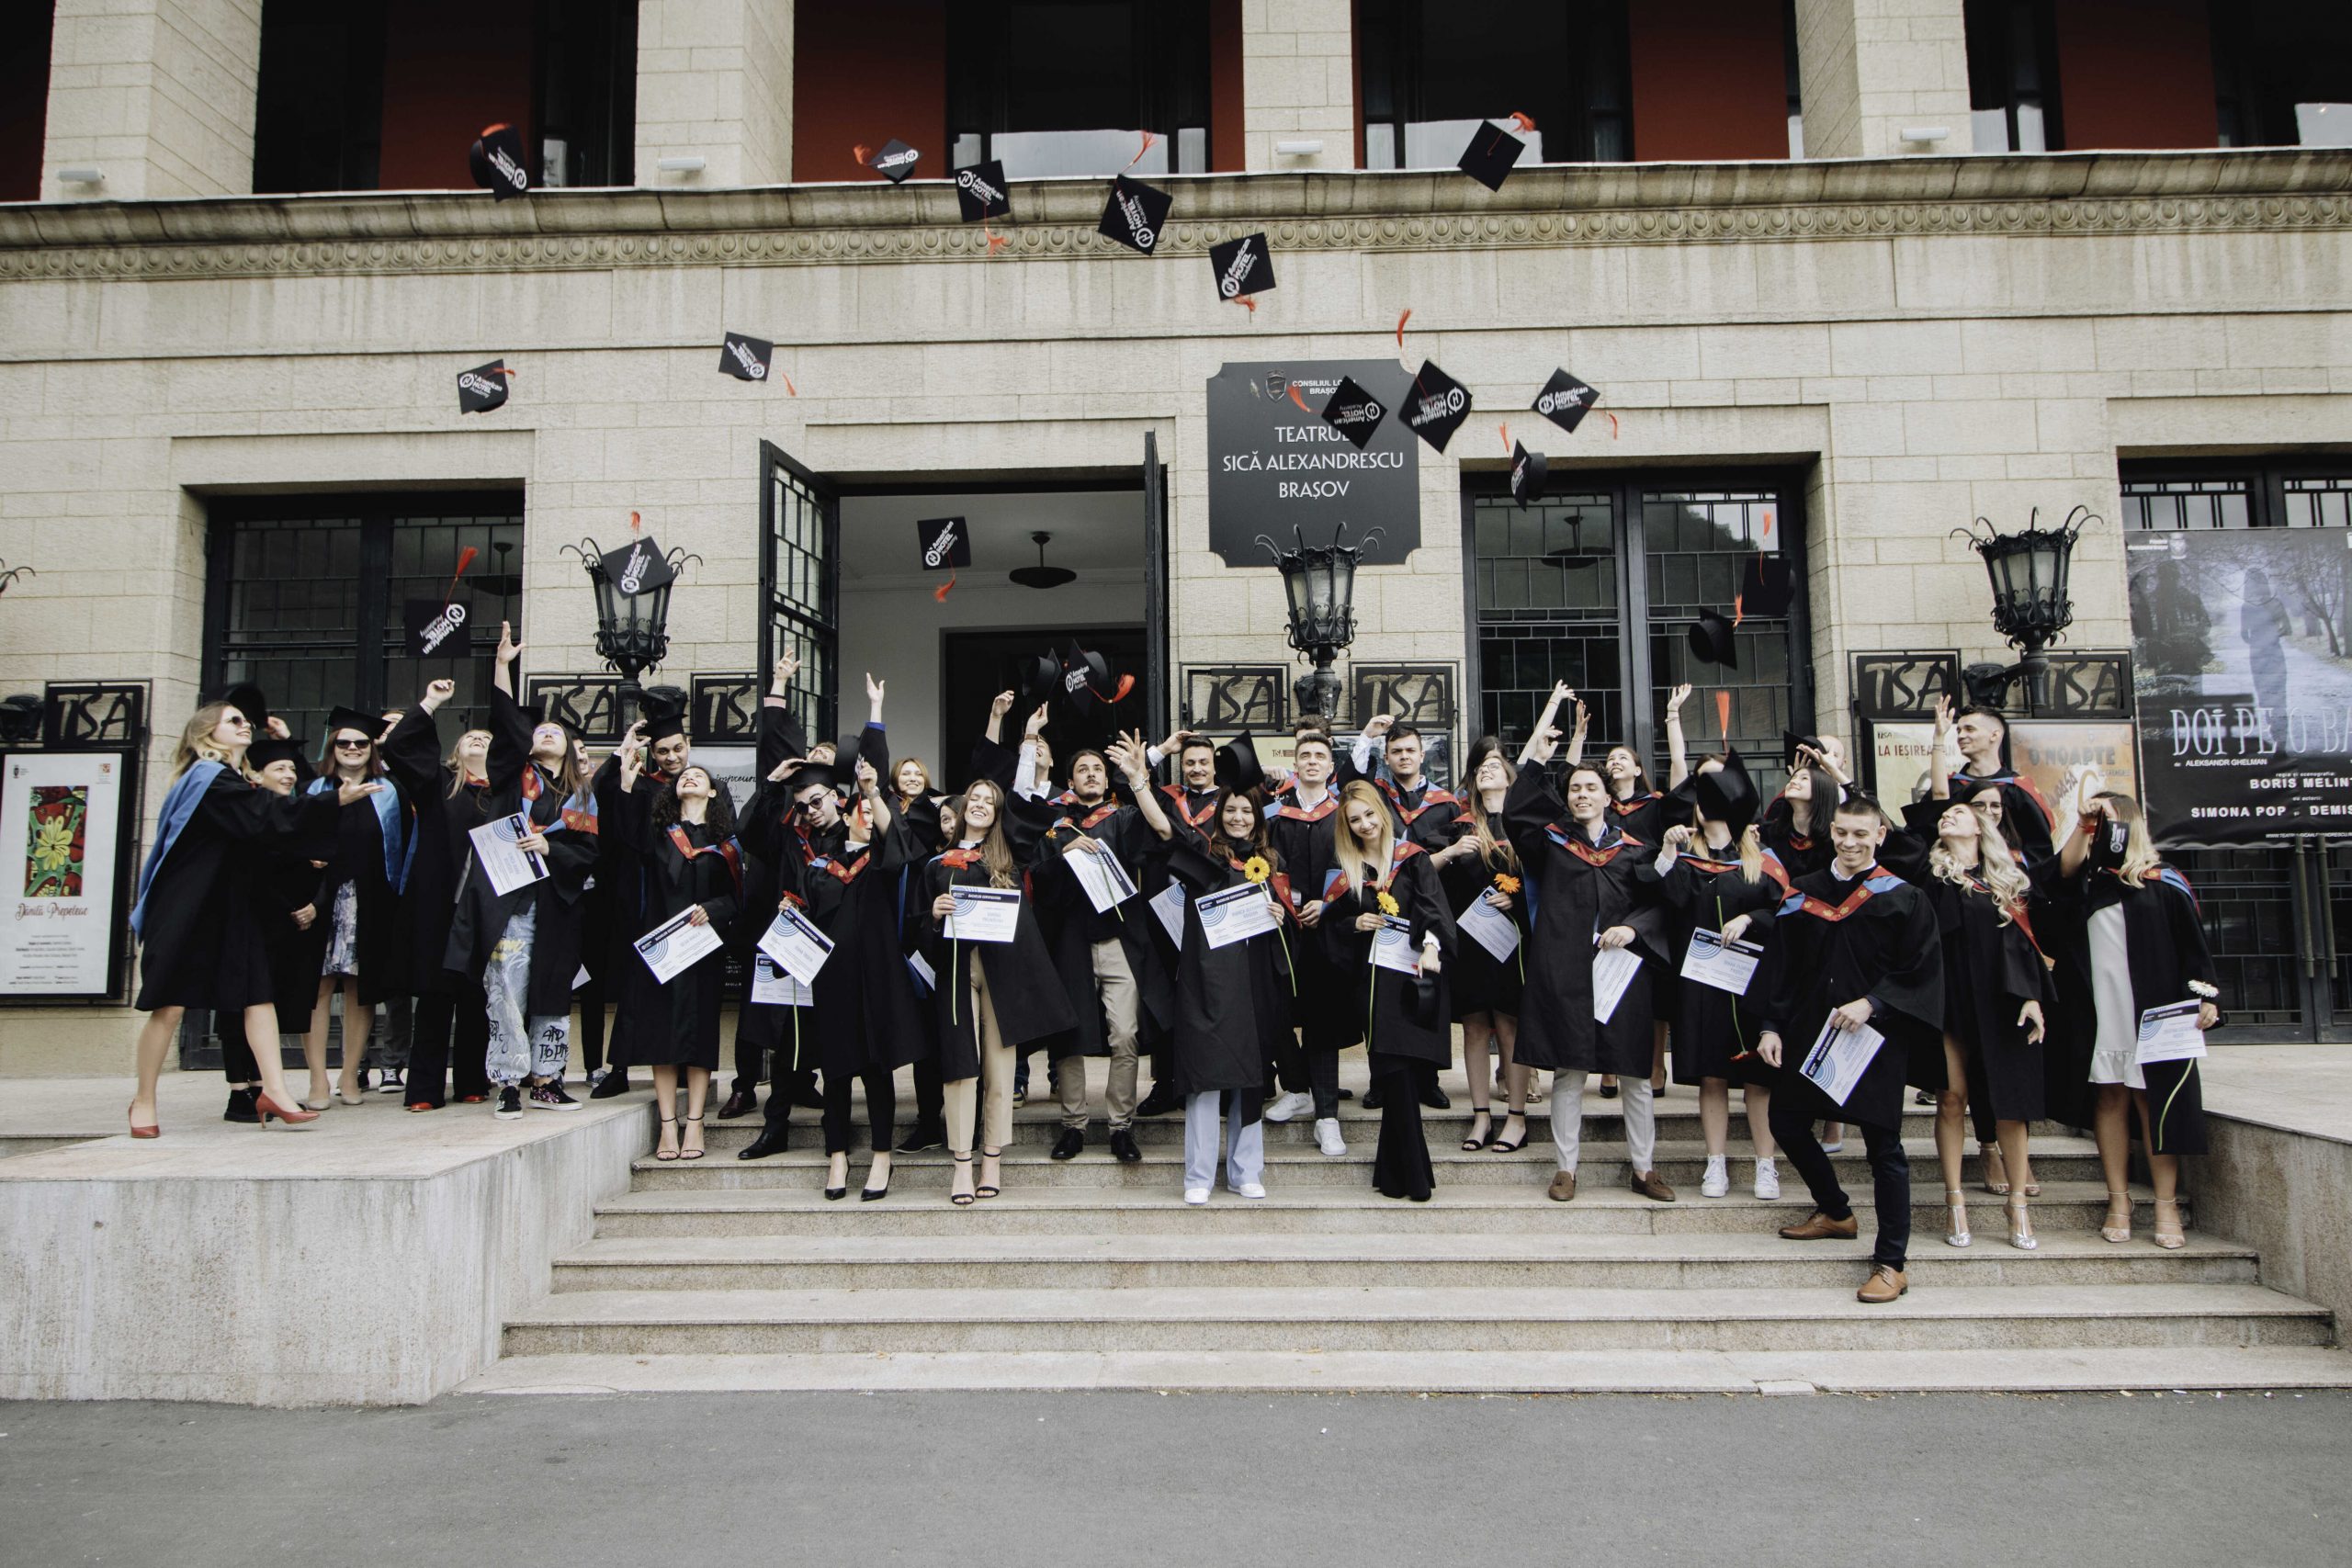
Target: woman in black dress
point(684, 837)
point(1405, 1019)
point(200, 939)
point(1997, 994)
point(362, 953)
point(1485, 989)
point(286, 894)
point(449, 1049)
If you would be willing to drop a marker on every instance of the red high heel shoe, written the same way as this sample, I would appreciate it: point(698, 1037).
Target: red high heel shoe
point(138, 1132)
point(270, 1108)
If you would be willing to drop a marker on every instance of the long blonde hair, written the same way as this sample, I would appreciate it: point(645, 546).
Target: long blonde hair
point(1364, 865)
point(1995, 867)
point(2140, 856)
point(995, 851)
point(195, 743)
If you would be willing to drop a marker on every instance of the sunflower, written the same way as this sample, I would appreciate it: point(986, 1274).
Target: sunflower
point(1256, 869)
point(1387, 902)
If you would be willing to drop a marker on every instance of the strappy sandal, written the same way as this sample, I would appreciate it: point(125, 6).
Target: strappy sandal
point(1989, 1157)
point(1956, 1230)
point(1499, 1147)
point(2113, 1229)
point(666, 1156)
point(988, 1189)
point(963, 1200)
point(691, 1154)
point(1471, 1146)
point(2171, 1237)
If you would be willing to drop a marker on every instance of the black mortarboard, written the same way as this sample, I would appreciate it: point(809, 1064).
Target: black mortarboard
point(1135, 215)
point(745, 358)
point(1564, 401)
point(638, 567)
point(1790, 741)
point(247, 699)
point(1243, 266)
point(484, 388)
point(435, 630)
point(1712, 640)
point(268, 748)
point(2109, 840)
point(1493, 150)
point(944, 543)
point(895, 161)
point(1085, 679)
point(1767, 586)
point(1435, 406)
point(1420, 999)
point(981, 191)
point(341, 718)
point(1528, 471)
point(1727, 794)
point(1353, 412)
point(664, 717)
point(497, 159)
point(1039, 677)
point(1237, 764)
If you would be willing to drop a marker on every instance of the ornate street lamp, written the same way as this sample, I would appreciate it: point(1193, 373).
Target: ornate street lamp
point(632, 629)
point(2031, 606)
point(1320, 581)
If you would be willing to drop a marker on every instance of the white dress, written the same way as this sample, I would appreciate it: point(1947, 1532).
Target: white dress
point(2116, 1045)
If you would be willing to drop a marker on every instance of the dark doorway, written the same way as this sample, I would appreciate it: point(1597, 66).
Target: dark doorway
point(976, 665)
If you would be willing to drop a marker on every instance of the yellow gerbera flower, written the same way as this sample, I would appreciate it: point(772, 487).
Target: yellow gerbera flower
point(1256, 869)
point(1388, 904)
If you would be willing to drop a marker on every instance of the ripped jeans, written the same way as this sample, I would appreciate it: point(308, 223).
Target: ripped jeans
point(521, 1046)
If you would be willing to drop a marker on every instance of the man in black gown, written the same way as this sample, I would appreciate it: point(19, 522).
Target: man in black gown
point(1853, 945)
point(1983, 734)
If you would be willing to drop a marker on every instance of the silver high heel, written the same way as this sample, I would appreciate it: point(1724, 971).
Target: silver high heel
point(2021, 1235)
point(1958, 1203)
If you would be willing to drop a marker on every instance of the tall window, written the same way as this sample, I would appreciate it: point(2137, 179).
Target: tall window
point(1434, 69)
point(2282, 74)
point(305, 595)
point(2013, 76)
point(801, 576)
point(1063, 86)
point(362, 95)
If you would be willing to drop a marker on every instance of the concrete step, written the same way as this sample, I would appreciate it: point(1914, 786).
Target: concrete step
point(1409, 1318)
point(2201, 1370)
point(1602, 1164)
point(1288, 1259)
point(1484, 1207)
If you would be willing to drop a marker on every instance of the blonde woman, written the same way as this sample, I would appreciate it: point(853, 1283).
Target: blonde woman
point(197, 917)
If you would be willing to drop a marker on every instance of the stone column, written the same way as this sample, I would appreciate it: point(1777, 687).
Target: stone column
point(158, 94)
point(714, 82)
point(1299, 82)
point(1874, 68)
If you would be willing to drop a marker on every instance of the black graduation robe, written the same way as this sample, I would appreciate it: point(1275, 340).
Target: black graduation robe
point(413, 754)
point(1302, 836)
point(1233, 1003)
point(1372, 997)
point(202, 943)
point(1715, 1032)
point(1580, 889)
point(1068, 920)
point(1025, 990)
point(1992, 968)
point(1639, 816)
point(1799, 855)
point(1833, 941)
point(1479, 982)
point(678, 1022)
point(283, 882)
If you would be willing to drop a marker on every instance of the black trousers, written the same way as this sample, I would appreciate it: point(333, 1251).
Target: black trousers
point(237, 1062)
point(1794, 1114)
point(590, 1037)
point(431, 1062)
point(1400, 1165)
point(881, 1110)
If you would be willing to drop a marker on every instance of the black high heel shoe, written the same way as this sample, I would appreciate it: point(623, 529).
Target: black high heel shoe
point(666, 1156)
point(835, 1194)
point(963, 1200)
point(1472, 1144)
point(874, 1194)
point(1497, 1145)
point(684, 1153)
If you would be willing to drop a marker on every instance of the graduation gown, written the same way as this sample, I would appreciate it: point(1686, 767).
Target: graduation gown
point(1640, 816)
point(677, 1022)
point(2166, 940)
point(1799, 855)
point(572, 829)
point(1233, 1003)
point(1372, 997)
point(1833, 941)
point(1478, 981)
point(2022, 808)
point(1580, 889)
point(1025, 991)
point(1302, 837)
point(1067, 918)
point(201, 939)
point(358, 856)
point(771, 879)
point(443, 817)
point(1715, 1032)
point(283, 883)
point(1992, 968)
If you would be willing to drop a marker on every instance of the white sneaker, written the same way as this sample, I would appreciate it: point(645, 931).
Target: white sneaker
point(1287, 1106)
point(1251, 1190)
point(1716, 1182)
point(1328, 1139)
point(1768, 1179)
point(1196, 1196)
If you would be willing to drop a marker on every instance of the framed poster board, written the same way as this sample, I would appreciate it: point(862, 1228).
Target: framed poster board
point(66, 832)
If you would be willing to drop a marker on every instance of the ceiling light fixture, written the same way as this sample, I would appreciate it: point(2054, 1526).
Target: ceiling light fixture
point(1041, 575)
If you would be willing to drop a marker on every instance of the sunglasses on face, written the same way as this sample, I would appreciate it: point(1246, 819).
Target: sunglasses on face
point(351, 745)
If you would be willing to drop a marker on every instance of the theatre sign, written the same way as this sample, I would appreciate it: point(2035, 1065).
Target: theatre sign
point(1276, 464)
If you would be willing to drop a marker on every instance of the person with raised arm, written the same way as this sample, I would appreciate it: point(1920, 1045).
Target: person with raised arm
point(448, 1048)
point(1982, 736)
point(363, 950)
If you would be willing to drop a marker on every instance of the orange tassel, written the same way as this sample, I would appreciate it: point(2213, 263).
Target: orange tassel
point(1301, 402)
point(635, 523)
point(1148, 138)
point(1738, 609)
point(1524, 122)
point(939, 595)
point(790, 389)
point(465, 559)
point(996, 240)
point(1722, 714)
point(1506, 429)
point(1400, 327)
point(1249, 303)
point(861, 151)
point(1613, 424)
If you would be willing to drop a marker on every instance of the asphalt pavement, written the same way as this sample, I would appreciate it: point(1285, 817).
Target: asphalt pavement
point(1129, 1479)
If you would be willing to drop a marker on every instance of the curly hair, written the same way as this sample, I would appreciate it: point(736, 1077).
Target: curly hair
point(720, 816)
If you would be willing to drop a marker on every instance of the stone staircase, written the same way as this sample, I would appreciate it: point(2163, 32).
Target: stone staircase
point(720, 1274)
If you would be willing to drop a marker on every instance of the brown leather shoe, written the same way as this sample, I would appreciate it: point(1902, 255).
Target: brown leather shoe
point(1563, 1188)
point(742, 1102)
point(1818, 1226)
point(1883, 1285)
point(1651, 1185)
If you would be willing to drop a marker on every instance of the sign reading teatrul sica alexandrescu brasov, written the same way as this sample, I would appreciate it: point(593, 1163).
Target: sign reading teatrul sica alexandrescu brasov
point(1275, 465)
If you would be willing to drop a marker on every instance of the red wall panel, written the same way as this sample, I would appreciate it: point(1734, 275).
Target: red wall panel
point(2135, 73)
point(1710, 80)
point(24, 97)
point(862, 74)
point(450, 69)
point(1226, 133)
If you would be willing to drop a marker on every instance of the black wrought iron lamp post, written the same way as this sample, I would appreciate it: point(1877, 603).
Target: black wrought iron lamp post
point(2032, 606)
point(1320, 582)
point(632, 629)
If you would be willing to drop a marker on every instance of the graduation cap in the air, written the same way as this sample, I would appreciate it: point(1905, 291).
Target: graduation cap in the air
point(497, 160)
point(745, 358)
point(484, 388)
point(1085, 680)
point(1767, 586)
point(1712, 640)
point(435, 630)
point(1564, 401)
point(1135, 215)
point(895, 161)
point(638, 567)
point(1353, 412)
point(1037, 677)
point(981, 191)
point(1243, 266)
point(1493, 150)
point(268, 748)
point(341, 718)
point(943, 543)
point(1238, 767)
point(1435, 405)
point(1728, 795)
point(1528, 471)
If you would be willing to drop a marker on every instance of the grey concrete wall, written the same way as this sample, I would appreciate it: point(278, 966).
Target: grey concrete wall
point(2286, 1192)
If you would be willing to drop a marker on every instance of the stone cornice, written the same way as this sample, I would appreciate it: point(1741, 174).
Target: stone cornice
point(2091, 193)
